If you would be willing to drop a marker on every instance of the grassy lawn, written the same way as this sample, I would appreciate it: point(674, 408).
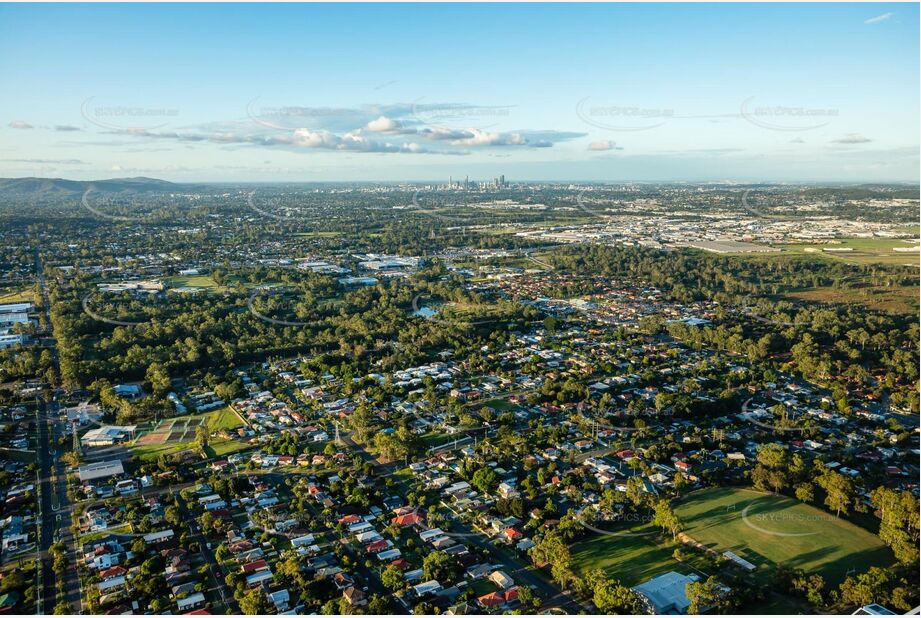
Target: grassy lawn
point(903, 299)
point(435, 438)
point(17, 296)
point(770, 530)
point(630, 559)
point(855, 251)
point(500, 405)
point(223, 418)
point(195, 281)
point(860, 250)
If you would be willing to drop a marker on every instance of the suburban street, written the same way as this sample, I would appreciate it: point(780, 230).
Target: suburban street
point(531, 577)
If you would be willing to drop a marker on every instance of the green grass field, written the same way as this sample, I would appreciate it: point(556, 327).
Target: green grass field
point(499, 405)
point(857, 251)
point(772, 530)
point(861, 250)
point(197, 281)
point(17, 296)
point(630, 559)
point(223, 418)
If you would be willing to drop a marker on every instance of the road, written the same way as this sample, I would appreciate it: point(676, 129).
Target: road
point(47, 592)
point(55, 508)
point(208, 556)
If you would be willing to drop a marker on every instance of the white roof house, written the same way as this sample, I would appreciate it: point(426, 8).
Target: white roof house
point(111, 584)
point(307, 539)
point(190, 602)
point(665, 593)
point(101, 470)
point(430, 587)
point(108, 434)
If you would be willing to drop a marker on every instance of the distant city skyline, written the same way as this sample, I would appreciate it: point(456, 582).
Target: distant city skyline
point(409, 92)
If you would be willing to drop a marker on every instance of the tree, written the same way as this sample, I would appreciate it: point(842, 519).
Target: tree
point(635, 490)
point(441, 566)
point(485, 479)
point(552, 550)
point(530, 602)
point(378, 605)
point(705, 595)
point(158, 379)
point(680, 482)
point(866, 588)
point(839, 491)
point(201, 437)
point(392, 577)
point(361, 423)
point(172, 515)
point(898, 513)
point(771, 470)
point(804, 492)
point(254, 602)
point(222, 554)
point(611, 597)
point(666, 518)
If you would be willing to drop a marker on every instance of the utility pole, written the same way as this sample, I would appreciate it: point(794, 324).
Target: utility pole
point(76, 446)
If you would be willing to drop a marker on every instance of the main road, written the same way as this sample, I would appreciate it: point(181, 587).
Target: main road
point(55, 508)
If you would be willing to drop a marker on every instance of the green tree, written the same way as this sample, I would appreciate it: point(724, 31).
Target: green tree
point(254, 602)
point(771, 471)
point(485, 479)
point(201, 437)
point(392, 577)
point(866, 588)
point(898, 513)
point(704, 595)
point(611, 597)
point(441, 566)
point(666, 518)
point(804, 492)
point(839, 491)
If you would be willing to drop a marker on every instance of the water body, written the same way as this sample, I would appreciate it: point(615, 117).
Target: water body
point(425, 312)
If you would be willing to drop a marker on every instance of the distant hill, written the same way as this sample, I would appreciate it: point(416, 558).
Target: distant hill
point(51, 188)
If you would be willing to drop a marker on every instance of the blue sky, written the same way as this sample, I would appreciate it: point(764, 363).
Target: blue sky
point(742, 92)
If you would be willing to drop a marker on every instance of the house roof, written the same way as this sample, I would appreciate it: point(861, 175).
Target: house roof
point(408, 520)
point(100, 470)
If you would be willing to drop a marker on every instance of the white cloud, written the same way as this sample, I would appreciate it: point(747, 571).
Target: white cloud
point(20, 124)
point(365, 129)
point(487, 138)
point(878, 18)
point(383, 125)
